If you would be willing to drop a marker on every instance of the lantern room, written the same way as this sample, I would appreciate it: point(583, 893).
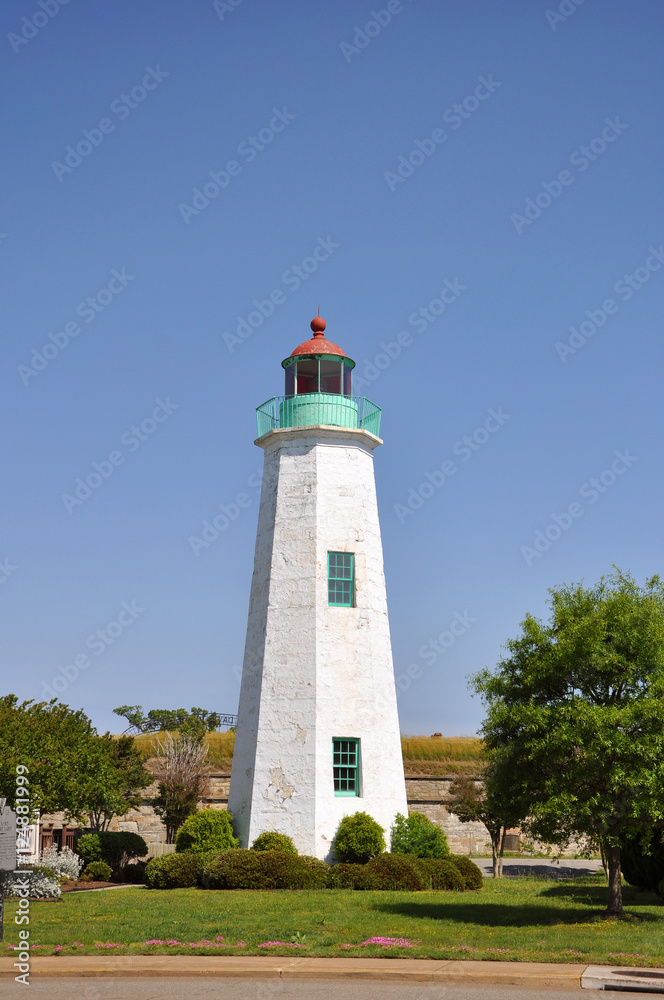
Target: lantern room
point(318, 390)
point(318, 365)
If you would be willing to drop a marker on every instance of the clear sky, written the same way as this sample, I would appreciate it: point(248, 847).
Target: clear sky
point(505, 156)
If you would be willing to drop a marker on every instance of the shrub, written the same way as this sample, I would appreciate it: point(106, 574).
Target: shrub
point(392, 872)
point(206, 830)
point(97, 871)
point(271, 841)
point(346, 876)
point(63, 864)
point(416, 834)
point(133, 874)
point(240, 869)
point(439, 873)
point(359, 838)
point(172, 871)
point(318, 871)
point(469, 871)
point(40, 884)
point(89, 847)
point(115, 848)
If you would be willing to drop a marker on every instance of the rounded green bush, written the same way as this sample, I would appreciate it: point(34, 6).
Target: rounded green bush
point(206, 830)
point(172, 871)
point(271, 841)
point(469, 871)
point(358, 839)
point(89, 847)
point(439, 873)
point(241, 869)
point(115, 847)
point(417, 834)
point(133, 874)
point(345, 876)
point(98, 871)
point(392, 872)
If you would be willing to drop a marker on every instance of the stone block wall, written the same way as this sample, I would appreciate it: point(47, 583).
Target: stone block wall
point(426, 794)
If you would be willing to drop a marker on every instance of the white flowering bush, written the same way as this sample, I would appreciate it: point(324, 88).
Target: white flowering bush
point(38, 883)
point(64, 863)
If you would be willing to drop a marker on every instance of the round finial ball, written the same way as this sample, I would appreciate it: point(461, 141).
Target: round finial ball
point(318, 324)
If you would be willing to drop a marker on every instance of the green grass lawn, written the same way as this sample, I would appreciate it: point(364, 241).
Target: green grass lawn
point(522, 919)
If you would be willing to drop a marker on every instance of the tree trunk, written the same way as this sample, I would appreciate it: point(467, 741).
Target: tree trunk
point(495, 842)
point(615, 903)
point(502, 849)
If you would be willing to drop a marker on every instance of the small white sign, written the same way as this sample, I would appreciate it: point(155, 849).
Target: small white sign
point(7, 837)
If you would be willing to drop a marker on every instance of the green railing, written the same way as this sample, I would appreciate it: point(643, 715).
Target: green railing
point(315, 408)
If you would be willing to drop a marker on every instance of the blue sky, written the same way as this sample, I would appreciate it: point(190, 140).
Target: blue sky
point(534, 205)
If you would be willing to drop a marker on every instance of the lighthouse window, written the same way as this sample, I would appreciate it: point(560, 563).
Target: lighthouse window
point(341, 579)
point(346, 766)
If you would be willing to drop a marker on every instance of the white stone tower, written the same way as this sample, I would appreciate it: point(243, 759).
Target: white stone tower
point(318, 732)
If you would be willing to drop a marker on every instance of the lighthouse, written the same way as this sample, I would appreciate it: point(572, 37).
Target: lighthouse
point(318, 732)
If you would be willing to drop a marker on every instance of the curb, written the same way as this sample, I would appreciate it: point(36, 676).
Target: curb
point(385, 969)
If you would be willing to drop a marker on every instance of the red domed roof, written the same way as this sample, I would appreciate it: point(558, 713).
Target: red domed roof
point(318, 344)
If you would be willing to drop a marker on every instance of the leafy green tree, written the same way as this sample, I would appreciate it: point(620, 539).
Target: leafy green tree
point(117, 781)
point(416, 834)
point(482, 803)
point(575, 717)
point(70, 767)
point(197, 720)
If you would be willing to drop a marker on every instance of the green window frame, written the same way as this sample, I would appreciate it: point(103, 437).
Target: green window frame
point(346, 766)
point(341, 579)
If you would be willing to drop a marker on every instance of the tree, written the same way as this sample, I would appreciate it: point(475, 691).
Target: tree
point(117, 780)
point(182, 773)
point(480, 803)
point(575, 717)
point(61, 751)
point(167, 719)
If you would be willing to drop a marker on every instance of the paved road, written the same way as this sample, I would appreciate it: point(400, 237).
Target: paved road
point(542, 868)
point(216, 988)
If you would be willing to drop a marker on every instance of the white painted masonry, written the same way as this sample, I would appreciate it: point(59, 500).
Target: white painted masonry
point(313, 672)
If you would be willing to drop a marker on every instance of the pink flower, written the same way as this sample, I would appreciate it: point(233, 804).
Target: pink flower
point(74, 944)
point(219, 938)
point(388, 942)
point(155, 941)
point(240, 944)
point(57, 947)
point(280, 944)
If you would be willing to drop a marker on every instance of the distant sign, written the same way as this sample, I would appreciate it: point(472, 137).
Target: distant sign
point(228, 720)
point(7, 837)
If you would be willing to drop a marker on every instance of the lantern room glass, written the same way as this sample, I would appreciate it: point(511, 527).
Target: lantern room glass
point(318, 374)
